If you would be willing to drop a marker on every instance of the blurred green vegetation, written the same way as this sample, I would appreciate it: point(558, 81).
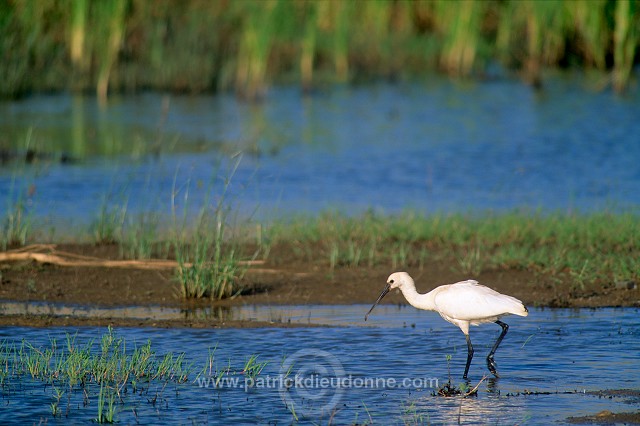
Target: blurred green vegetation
point(245, 45)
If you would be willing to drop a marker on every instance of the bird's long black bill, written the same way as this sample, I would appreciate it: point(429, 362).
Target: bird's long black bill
point(383, 294)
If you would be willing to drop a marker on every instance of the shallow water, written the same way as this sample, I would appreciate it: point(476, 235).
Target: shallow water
point(432, 147)
point(333, 315)
point(574, 351)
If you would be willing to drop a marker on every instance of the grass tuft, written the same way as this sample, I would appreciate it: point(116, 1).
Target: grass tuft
point(108, 225)
point(209, 263)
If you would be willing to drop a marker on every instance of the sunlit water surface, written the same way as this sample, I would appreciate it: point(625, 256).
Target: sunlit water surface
point(435, 147)
point(432, 147)
point(560, 356)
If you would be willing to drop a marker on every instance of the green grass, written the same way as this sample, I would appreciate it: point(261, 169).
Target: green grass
point(108, 224)
point(596, 247)
point(253, 367)
point(207, 247)
point(111, 376)
point(16, 226)
point(106, 395)
point(599, 248)
point(211, 247)
point(104, 372)
point(72, 364)
point(140, 238)
point(208, 266)
point(208, 255)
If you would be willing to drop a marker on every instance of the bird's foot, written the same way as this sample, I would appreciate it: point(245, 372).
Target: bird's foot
point(491, 365)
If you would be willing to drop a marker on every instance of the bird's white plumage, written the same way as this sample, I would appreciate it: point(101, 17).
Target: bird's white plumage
point(471, 301)
point(464, 303)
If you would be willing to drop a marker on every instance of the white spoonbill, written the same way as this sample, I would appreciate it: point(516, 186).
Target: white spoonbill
point(464, 303)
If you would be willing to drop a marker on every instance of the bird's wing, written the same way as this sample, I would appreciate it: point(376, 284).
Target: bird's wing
point(469, 301)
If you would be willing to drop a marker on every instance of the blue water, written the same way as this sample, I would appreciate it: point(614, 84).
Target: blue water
point(575, 351)
point(435, 147)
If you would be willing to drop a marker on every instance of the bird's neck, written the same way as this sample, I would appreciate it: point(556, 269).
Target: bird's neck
point(417, 300)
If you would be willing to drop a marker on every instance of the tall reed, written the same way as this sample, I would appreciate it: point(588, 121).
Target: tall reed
point(461, 35)
point(110, 15)
point(308, 45)
point(256, 38)
point(625, 39)
point(78, 35)
point(340, 12)
point(245, 45)
point(590, 23)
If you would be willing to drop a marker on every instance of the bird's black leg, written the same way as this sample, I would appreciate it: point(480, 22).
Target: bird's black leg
point(491, 364)
point(469, 356)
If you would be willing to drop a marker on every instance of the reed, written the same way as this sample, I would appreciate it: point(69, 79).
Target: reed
point(374, 38)
point(460, 28)
point(590, 23)
point(625, 39)
point(256, 38)
point(340, 12)
point(308, 45)
point(111, 17)
point(246, 45)
point(78, 35)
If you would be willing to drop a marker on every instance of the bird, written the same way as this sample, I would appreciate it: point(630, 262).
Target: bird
point(463, 304)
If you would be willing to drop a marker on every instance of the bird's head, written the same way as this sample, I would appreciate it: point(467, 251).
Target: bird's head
point(399, 280)
point(396, 280)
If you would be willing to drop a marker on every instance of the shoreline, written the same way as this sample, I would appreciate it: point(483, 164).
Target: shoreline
point(281, 280)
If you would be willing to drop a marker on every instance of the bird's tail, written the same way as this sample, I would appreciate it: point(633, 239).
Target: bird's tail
point(522, 310)
point(517, 307)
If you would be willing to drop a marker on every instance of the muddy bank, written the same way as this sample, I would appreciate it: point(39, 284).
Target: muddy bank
point(606, 417)
point(278, 281)
point(70, 321)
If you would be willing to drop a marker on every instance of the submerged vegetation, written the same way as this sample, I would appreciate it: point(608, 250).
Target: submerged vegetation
point(109, 373)
point(245, 45)
point(110, 377)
